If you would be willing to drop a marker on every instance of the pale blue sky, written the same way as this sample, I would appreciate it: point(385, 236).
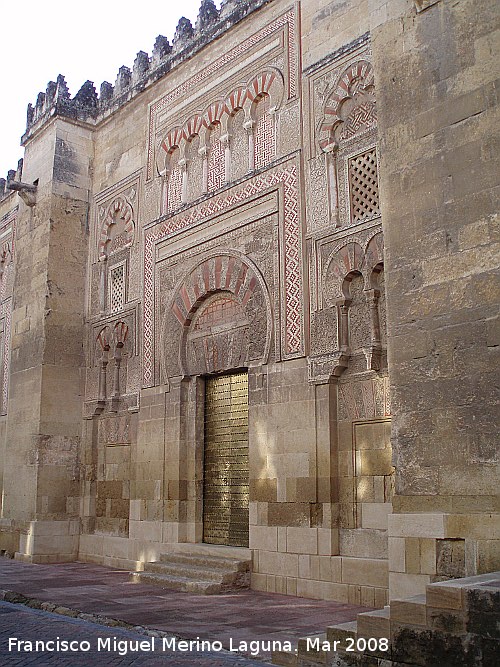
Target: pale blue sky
point(88, 40)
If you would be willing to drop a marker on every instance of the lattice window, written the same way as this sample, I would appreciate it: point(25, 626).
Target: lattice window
point(265, 140)
point(216, 161)
point(117, 288)
point(363, 186)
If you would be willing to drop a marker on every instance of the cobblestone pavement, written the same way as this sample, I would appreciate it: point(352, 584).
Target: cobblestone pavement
point(30, 625)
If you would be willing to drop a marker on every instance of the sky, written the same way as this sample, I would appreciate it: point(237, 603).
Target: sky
point(88, 40)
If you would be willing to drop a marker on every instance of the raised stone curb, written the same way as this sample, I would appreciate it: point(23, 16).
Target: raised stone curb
point(19, 598)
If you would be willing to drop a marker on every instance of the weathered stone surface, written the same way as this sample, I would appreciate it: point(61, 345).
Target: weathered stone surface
point(304, 193)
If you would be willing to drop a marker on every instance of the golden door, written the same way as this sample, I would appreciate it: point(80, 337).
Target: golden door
point(225, 498)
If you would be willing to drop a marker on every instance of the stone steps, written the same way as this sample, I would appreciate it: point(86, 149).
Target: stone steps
point(215, 562)
point(374, 623)
point(195, 572)
point(407, 624)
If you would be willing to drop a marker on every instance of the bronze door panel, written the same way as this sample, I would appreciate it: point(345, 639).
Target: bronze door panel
point(225, 500)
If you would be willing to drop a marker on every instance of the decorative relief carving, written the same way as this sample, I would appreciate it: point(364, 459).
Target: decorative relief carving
point(195, 162)
point(117, 230)
point(288, 128)
point(187, 175)
point(114, 248)
point(7, 256)
point(114, 353)
point(174, 182)
point(345, 260)
point(350, 108)
point(345, 129)
point(152, 200)
point(222, 311)
point(283, 27)
point(239, 145)
point(351, 290)
point(115, 430)
point(216, 160)
point(318, 210)
point(285, 177)
point(364, 399)
point(116, 280)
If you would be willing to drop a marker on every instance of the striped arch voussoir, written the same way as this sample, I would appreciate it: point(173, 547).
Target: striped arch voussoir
point(217, 273)
point(104, 338)
point(214, 113)
point(119, 209)
point(374, 253)
point(120, 333)
point(360, 71)
point(264, 83)
point(192, 127)
point(236, 100)
point(260, 85)
point(172, 139)
point(347, 259)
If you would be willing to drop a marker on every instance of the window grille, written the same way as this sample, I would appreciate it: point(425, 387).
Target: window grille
point(117, 288)
point(363, 185)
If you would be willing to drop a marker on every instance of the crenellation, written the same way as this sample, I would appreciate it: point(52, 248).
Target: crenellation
point(105, 94)
point(39, 105)
point(86, 98)
point(161, 49)
point(187, 41)
point(207, 16)
point(183, 35)
point(62, 93)
point(50, 93)
point(123, 80)
point(142, 65)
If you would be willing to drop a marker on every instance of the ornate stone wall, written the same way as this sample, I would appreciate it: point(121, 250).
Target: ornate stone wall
point(241, 200)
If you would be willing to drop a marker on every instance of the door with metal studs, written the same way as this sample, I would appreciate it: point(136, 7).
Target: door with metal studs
point(225, 500)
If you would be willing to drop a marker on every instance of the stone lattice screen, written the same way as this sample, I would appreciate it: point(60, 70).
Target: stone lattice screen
point(363, 186)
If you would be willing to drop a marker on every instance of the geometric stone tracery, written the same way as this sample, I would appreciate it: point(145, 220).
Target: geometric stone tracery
point(292, 340)
point(258, 99)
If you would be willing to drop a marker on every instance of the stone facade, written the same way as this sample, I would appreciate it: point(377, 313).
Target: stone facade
point(303, 190)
